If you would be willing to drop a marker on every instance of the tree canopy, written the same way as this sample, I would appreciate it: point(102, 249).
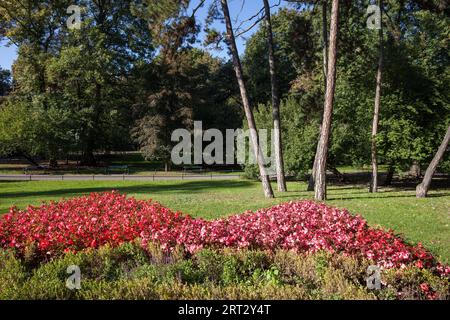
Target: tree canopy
point(136, 70)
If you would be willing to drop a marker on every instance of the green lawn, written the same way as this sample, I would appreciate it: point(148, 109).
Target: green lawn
point(424, 220)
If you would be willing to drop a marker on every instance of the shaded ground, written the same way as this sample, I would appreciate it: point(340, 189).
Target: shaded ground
point(121, 177)
point(108, 164)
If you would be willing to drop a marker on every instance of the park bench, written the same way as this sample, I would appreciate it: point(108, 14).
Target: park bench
point(35, 168)
point(192, 168)
point(123, 168)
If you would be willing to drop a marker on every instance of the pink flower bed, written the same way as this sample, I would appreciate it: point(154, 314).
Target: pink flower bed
point(112, 218)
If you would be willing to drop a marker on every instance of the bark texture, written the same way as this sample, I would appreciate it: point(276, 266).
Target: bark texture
point(376, 111)
point(422, 188)
point(320, 183)
point(312, 179)
point(268, 192)
point(278, 146)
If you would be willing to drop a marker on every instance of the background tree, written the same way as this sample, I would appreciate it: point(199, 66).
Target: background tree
point(422, 188)
point(33, 27)
point(312, 179)
point(117, 84)
point(414, 94)
point(17, 131)
point(376, 112)
point(79, 75)
point(300, 88)
point(277, 143)
point(169, 105)
point(5, 82)
point(293, 41)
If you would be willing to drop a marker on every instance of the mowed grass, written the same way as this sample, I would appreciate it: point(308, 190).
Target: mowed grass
point(418, 220)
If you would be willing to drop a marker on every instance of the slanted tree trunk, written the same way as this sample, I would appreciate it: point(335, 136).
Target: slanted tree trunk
point(376, 111)
point(320, 183)
point(281, 182)
point(29, 158)
point(422, 189)
point(340, 176)
point(268, 192)
point(311, 180)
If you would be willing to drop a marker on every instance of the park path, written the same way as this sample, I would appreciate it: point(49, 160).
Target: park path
point(114, 177)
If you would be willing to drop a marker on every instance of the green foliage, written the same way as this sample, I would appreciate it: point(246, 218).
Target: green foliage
point(15, 127)
point(130, 76)
point(183, 85)
point(78, 82)
point(129, 272)
point(12, 275)
point(414, 106)
point(299, 131)
point(5, 82)
point(27, 127)
point(293, 42)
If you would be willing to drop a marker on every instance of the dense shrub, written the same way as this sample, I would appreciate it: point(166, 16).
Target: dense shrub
point(130, 272)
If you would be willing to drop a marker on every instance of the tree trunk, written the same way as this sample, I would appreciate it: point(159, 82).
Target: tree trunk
point(422, 189)
point(389, 176)
point(320, 183)
point(92, 132)
point(88, 158)
point(268, 192)
point(324, 41)
point(376, 111)
point(312, 179)
point(414, 169)
point(53, 163)
point(281, 182)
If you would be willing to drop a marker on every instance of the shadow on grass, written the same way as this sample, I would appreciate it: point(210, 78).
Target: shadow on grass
point(177, 187)
point(381, 196)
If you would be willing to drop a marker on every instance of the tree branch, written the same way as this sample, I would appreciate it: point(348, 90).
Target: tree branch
point(261, 17)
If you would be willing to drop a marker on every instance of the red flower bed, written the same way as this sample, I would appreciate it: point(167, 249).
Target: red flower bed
point(111, 218)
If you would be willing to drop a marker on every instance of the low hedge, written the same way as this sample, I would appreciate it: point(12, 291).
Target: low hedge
point(131, 271)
